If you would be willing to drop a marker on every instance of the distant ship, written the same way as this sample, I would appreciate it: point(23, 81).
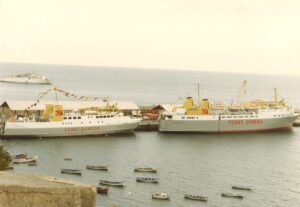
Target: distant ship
point(252, 116)
point(27, 78)
point(55, 123)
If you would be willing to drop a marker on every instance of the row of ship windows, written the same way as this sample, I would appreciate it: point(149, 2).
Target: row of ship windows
point(223, 117)
point(68, 123)
point(79, 117)
point(278, 115)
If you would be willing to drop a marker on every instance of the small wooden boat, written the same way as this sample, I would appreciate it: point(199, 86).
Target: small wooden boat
point(32, 164)
point(241, 187)
point(24, 159)
point(112, 183)
point(196, 197)
point(102, 190)
point(160, 196)
point(71, 171)
point(145, 169)
point(147, 180)
point(232, 195)
point(96, 167)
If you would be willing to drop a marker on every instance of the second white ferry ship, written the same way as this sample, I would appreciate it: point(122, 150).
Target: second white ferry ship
point(249, 117)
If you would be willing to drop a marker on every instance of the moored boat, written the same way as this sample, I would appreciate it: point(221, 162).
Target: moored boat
point(145, 169)
point(232, 195)
point(112, 183)
point(241, 187)
point(196, 197)
point(27, 78)
point(24, 158)
point(101, 190)
point(97, 167)
point(160, 196)
point(147, 180)
point(71, 171)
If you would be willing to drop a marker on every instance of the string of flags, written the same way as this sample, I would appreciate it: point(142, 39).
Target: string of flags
point(67, 94)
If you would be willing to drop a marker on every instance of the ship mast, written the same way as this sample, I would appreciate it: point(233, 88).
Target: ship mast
point(242, 91)
point(198, 91)
point(276, 96)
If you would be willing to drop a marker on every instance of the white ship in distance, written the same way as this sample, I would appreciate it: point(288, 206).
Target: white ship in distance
point(26, 78)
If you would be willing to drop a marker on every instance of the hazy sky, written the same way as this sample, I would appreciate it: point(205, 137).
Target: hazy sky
point(215, 35)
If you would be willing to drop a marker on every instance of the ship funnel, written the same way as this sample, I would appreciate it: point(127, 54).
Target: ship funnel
point(58, 113)
point(48, 111)
point(204, 106)
point(189, 103)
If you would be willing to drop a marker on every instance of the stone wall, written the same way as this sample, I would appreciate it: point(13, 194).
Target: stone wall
point(19, 190)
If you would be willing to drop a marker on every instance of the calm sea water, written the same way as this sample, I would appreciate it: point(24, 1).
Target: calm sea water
point(187, 163)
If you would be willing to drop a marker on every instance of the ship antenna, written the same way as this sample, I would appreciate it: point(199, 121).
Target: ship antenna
point(242, 91)
point(275, 95)
point(198, 90)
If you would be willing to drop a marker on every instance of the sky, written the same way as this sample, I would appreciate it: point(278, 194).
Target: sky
point(253, 36)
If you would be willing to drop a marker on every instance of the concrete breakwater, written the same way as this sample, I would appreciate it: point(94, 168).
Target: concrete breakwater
point(19, 190)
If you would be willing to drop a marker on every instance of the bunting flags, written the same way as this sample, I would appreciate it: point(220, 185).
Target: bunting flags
point(67, 94)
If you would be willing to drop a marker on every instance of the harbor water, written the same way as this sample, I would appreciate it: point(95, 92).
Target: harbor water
point(201, 164)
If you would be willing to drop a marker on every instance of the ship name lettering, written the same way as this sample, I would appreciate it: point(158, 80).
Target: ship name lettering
point(235, 122)
point(254, 122)
point(71, 129)
point(89, 128)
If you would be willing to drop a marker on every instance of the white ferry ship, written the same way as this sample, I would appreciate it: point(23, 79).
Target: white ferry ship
point(27, 78)
point(249, 117)
point(55, 123)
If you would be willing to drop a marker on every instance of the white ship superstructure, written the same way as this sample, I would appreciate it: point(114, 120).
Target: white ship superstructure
point(27, 78)
point(72, 124)
point(229, 119)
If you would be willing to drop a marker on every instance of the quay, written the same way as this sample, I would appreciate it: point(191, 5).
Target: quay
point(20, 190)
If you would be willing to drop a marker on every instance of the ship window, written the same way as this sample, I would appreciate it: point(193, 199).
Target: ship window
point(79, 117)
point(229, 116)
point(241, 117)
point(183, 117)
point(74, 117)
point(97, 117)
point(101, 116)
point(65, 117)
point(234, 116)
point(69, 117)
point(223, 117)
